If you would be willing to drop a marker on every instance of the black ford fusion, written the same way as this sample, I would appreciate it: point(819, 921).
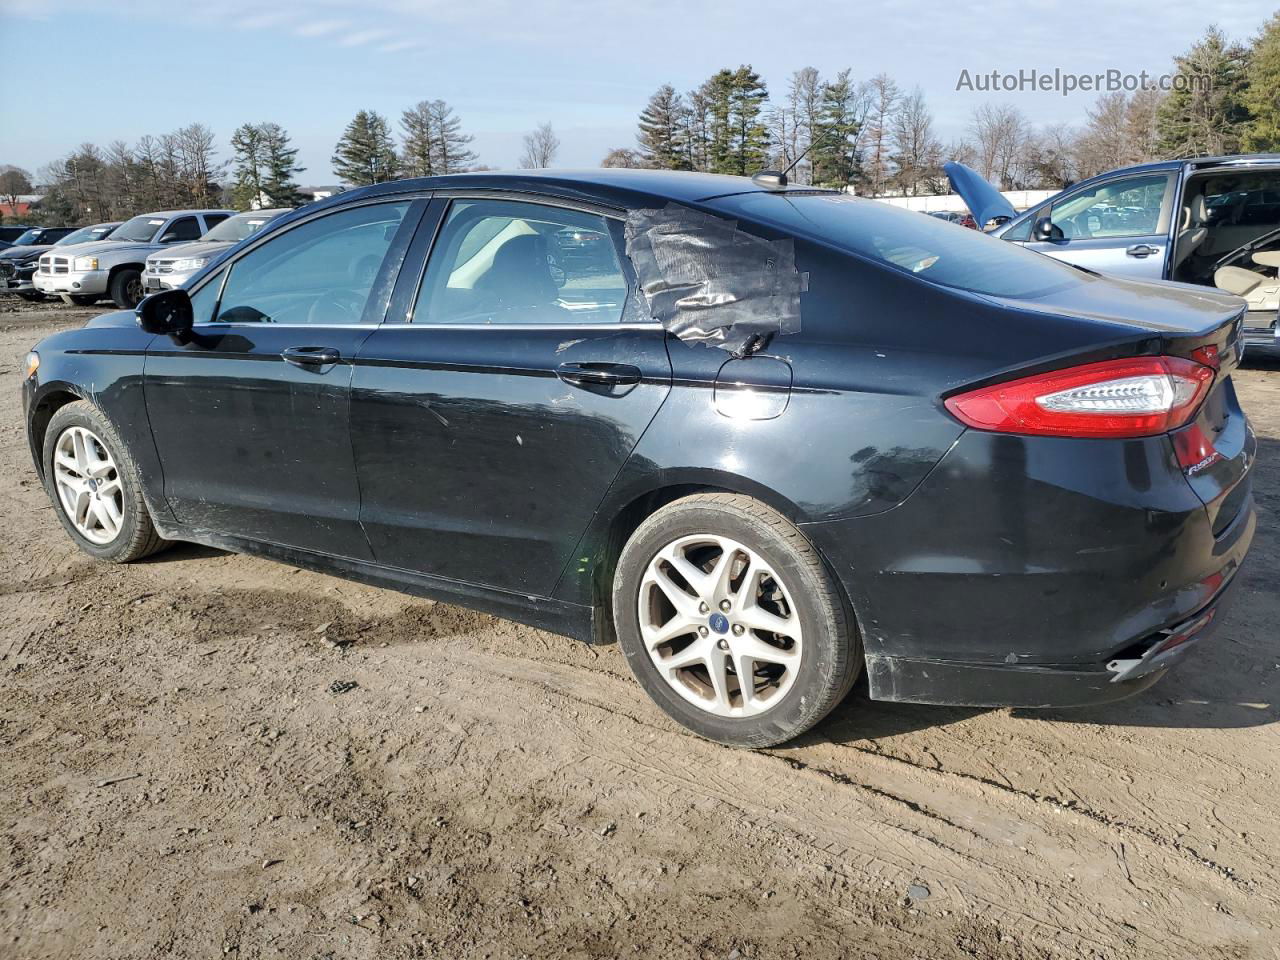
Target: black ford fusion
point(766, 437)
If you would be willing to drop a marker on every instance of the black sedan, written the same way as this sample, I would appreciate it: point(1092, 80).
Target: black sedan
point(762, 436)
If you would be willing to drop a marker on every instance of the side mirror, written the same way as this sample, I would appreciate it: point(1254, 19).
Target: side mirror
point(169, 238)
point(168, 311)
point(1046, 229)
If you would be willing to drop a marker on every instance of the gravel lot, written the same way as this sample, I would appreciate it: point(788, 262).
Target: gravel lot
point(180, 781)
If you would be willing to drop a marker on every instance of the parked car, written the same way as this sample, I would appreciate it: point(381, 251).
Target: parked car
point(113, 267)
point(36, 236)
point(10, 234)
point(1212, 222)
point(18, 263)
point(989, 477)
point(173, 266)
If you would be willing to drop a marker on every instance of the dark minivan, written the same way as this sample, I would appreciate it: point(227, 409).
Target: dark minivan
point(765, 437)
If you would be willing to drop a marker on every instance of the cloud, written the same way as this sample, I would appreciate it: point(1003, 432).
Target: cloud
point(321, 28)
point(363, 37)
point(396, 46)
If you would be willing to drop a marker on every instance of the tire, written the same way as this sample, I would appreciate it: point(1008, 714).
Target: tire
point(135, 536)
point(126, 288)
point(31, 296)
point(83, 299)
point(806, 667)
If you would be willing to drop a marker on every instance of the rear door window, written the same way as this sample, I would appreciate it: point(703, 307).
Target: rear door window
point(503, 261)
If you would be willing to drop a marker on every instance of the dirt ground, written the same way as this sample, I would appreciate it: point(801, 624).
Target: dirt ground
point(180, 780)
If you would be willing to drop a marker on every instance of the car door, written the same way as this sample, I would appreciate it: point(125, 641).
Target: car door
point(249, 413)
point(1119, 226)
point(492, 411)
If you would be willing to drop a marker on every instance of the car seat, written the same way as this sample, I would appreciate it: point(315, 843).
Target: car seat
point(1259, 291)
point(1191, 230)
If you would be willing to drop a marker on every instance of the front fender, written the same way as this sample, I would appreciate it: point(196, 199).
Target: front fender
point(104, 365)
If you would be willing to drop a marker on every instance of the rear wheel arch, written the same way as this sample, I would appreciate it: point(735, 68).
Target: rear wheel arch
point(642, 505)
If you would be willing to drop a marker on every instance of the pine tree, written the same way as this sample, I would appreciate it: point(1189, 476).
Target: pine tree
point(281, 162)
point(434, 143)
point(663, 131)
point(453, 151)
point(836, 155)
point(1262, 98)
point(366, 154)
point(417, 153)
point(1205, 114)
point(738, 140)
point(246, 142)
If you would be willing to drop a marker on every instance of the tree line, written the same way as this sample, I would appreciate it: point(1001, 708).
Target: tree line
point(877, 138)
point(871, 136)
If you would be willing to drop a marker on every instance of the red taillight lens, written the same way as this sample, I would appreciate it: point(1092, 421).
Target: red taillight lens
point(1141, 397)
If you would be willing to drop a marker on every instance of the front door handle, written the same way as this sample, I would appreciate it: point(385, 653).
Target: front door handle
point(1142, 250)
point(311, 356)
point(598, 374)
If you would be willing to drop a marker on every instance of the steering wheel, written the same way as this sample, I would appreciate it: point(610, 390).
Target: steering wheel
point(336, 306)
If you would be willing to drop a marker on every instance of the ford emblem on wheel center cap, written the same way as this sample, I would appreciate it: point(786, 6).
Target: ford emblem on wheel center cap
point(719, 623)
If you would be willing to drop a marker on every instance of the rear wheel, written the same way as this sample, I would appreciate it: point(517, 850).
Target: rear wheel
point(126, 288)
point(731, 622)
point(93, 483)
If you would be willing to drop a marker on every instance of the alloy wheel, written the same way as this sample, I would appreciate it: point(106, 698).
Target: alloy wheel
point(720, 625)
point(88, 484)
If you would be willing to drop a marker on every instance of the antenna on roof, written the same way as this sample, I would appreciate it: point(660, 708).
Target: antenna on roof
point(777, 180)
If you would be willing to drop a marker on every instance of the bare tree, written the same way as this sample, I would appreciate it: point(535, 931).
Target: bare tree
point(1000, 134)
point(884, 97)
point(623, 157)
point(916, 151)
point(540, 147)
point(14, 181)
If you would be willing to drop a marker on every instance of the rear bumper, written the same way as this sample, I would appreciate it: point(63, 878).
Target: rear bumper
point(953, 683)
point(1034, 571)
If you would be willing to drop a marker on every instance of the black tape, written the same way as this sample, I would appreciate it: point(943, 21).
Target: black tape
point(707, 281)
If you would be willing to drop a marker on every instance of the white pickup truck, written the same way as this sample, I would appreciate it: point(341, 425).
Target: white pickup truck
point(86, 272)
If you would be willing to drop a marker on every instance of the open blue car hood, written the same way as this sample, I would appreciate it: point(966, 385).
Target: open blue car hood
point(985, 202)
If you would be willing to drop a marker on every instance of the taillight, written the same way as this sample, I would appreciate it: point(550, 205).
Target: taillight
point(1140, 397)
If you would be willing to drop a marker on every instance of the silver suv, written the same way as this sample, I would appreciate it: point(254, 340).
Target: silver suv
point(86, 272)
point(173, 267)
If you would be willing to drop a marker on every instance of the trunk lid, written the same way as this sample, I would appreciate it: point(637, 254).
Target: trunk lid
point(985, 202)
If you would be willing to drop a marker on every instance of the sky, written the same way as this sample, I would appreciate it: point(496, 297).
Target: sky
point(104, 70)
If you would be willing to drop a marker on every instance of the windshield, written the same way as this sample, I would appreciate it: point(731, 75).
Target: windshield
point(84, 235)
point(926, 247)
point(238, 227)
point(139, 229)
point(28, 238)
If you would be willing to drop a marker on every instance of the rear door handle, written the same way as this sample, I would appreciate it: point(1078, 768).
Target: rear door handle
point(603, 374)
point(1142, 250)
point(311, 356)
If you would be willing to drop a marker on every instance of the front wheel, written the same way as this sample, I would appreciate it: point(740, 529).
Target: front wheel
point(731, 622)
point(83, 299)
point(126, 288)
point(93, 483)
point(31, 296)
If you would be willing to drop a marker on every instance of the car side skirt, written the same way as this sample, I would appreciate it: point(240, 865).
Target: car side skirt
point(542, 613)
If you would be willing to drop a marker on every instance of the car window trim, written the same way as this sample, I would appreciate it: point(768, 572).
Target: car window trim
point(406, 298)
point(418, 201)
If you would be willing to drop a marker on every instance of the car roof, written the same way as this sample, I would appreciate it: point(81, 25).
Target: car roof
point(627, 187)
point(175, 213)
